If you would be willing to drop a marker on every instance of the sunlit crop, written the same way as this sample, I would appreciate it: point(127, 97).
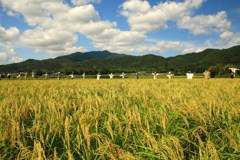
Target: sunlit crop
point(120, 119)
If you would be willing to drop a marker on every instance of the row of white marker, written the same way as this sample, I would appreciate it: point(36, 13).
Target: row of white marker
point(206, 75)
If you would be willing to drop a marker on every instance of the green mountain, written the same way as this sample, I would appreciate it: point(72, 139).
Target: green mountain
point(78, 56)
point(105, 61)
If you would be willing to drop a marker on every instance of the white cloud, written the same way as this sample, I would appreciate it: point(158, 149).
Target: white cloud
point(206, 24)
point(78, 15)
point(8, 55)
point(9, 35)
point(55, 25)
point(161, 47)
point(142, 17)
point(134, 6)
point(228, 39)
point(145, 18)
point(117, 41)
point(32, 10)
point(172, 45)
point(84, 2)
point(94, 29)
point(194, 3)
point(143, 45)
point(226, 35)
point(54, 42)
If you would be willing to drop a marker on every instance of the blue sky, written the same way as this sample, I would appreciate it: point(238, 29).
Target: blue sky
point(40, 29)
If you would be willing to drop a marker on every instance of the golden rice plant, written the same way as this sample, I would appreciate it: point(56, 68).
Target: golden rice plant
point(120, 119)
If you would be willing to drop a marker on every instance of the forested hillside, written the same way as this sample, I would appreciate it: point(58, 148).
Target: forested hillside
point(216, 60)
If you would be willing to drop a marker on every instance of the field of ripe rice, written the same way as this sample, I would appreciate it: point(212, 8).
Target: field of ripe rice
point(120, 119)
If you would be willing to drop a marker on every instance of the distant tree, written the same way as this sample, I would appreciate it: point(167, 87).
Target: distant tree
point(199, 69)
point(214, 70)
point(224, 71)
point(38, 72)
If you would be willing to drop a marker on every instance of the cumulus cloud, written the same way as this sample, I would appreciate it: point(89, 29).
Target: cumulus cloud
point(172, 45)
point(228, 39)
point(9, 35)
point(134, 6)
point(226, 35)
point(8, 55)
point(165, 46)
point(116, 40)
point(206, 24)
point(80, 15)
point(142, 17)
point(33, 11)
point(145, 18)
point(94, 29)
point(55, 25)
point(149, 46)
point(54, 42)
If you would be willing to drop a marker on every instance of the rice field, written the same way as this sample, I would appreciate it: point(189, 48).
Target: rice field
point(120, 119)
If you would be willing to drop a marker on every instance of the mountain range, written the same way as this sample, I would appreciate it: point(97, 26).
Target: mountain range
point(105, 62)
